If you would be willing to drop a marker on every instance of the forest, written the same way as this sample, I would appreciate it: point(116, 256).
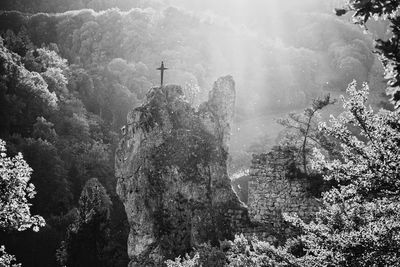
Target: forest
point(72, 70)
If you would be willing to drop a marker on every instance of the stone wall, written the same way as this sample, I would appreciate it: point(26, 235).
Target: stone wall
point(274, 189)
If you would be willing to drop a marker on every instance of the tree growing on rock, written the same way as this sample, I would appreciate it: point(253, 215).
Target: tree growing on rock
point(15, 192)
point(301, 131)
point(300, 136)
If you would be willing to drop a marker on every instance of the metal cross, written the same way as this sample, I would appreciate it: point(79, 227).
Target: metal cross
point(162, 69)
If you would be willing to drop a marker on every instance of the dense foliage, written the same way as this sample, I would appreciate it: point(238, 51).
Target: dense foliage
point(15, 193)
point(301, 132)
point(35, 6)
point(388, 48)
point(203, 255)
point(117, 51)
point(112, 56)
point(88, 236)
point(65, 144)
point(358, 223)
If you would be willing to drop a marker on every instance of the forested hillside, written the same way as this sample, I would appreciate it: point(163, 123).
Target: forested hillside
point(278, 65)
point(62, 141)
point(69, 77)
point(201, 47)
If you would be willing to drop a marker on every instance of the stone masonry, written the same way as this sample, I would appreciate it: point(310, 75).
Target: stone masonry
point(274, 189)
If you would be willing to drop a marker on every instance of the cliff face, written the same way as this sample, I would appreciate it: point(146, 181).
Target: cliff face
point(172, 175)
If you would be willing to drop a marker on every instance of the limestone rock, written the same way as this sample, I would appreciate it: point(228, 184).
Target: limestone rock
point(172, 174)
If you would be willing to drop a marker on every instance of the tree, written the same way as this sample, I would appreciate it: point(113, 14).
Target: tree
point(17, 43)
point(389, 50)
point(302, 131)
point(24, 95)
point(359, 221)
point(203, 255)
point(15, 192)
point(46, 113)
point(185, 262)
point(44, 130)
point(50, 176)
point(87, 237)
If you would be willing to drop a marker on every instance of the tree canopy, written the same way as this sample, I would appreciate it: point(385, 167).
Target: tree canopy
point(15, 193)
point(388, 49)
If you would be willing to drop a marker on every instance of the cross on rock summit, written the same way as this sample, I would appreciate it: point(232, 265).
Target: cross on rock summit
point(162, 69)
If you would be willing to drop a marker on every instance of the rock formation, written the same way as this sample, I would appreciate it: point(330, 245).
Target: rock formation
point(172, 174)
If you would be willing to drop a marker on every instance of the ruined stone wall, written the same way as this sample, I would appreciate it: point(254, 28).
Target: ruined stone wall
point(274, 189)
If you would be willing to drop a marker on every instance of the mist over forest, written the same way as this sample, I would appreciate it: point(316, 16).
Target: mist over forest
point(281, 55)
point(71, 70)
